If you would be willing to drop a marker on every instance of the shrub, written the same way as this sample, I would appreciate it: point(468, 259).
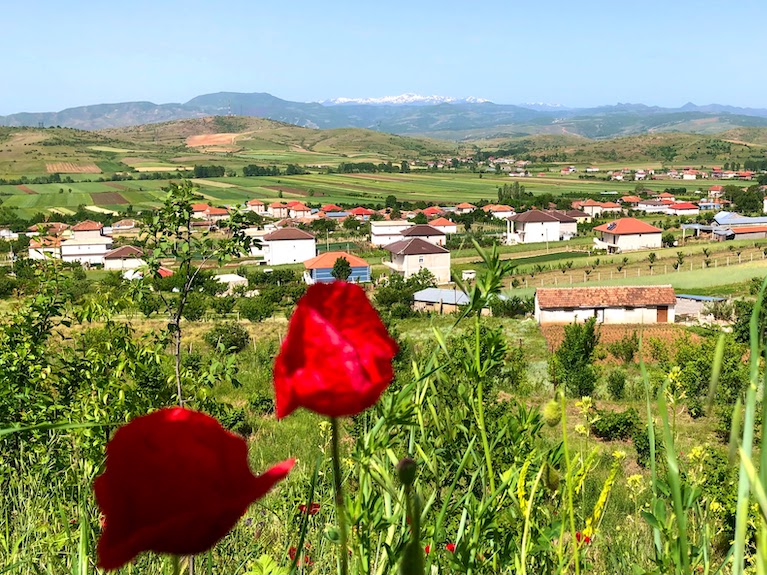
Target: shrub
point(256, 309)
point(511, 307)
point(572, 363)
point(625, 348)
point(641, 441)
point(612, 425)
point(230, 334)
point(224, 304)
point(149, 304)
point(616, 383)
point(195, 308)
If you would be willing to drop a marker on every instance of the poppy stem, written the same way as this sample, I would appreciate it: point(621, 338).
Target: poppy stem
point(340, 507)
point(175, 561)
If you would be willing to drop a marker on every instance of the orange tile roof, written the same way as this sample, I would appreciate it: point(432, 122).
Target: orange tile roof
point(628, 226)
point(255, 203)
point(466, 206)
point(326, 260)
point(87, 226)
point(199, 207)
point(683, 206)
point(749, 229)
point(441, 222)
point(605, 296)
point(631, 199)
point(433, 211)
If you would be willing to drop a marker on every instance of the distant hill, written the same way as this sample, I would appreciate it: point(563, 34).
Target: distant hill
point(456, 120)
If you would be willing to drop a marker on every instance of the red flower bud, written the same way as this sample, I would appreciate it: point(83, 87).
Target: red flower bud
point(175, 482)
point(427, 549)
point(450, 547)
point(336, 357)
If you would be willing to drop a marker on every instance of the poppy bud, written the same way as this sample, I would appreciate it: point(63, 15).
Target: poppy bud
point(406, 469)
point(552, 413)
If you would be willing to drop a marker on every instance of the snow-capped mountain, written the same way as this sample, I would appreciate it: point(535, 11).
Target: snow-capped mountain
point(408, 99)
point(543, 106)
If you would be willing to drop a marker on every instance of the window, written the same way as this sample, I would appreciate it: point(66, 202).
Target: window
point(420, 259)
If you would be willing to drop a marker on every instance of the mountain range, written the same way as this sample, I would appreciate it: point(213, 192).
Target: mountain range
point(411, 114)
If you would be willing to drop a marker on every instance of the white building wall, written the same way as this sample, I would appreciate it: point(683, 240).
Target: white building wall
point(383, 235)
point(537, 231)
point(123, 264)
point(448, 229)
point(437, 264)
point(620, 315)
point(568, 229)
point(278, 252)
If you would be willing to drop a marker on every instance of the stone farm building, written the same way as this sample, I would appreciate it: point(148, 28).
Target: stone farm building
point(627, 234)
point(320, 268)
point(608, 304)
point(410, 256)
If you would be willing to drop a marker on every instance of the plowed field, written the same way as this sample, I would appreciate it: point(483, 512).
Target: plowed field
point(71, 168)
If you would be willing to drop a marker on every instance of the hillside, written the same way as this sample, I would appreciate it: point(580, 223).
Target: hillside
point(670, 148)
point(229, 141)
point(457, 120)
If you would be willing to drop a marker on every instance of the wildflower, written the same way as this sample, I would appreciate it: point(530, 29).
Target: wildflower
point(427, 549)
point(450, 547)
point(312, 509)
point(336, 358)
point(175, 482)
point(580, 537)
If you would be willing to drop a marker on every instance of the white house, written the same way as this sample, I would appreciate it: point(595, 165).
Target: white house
point(288, 246)
point(532, 226)
point(387, 232)
point(427, 233)
point(614, 304)
point(652, 206)
point(90, 250)
point(568, 225)
point(299, 210)
point(627, 234)
point(444, 225)
point(256, 206)
point(591, 207)
point(683, 209)
point(465, 208)
point(124, 258)
point(500, 211)
point(44, 247)
point(409, 256)
point(278, 210)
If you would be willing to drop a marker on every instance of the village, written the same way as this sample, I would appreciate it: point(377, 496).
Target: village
point(411, 241)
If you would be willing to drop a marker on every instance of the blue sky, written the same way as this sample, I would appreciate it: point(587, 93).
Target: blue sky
point(664, 52)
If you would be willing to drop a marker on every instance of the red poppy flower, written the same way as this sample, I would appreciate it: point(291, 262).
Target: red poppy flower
point(580, 537)
point(336, 358)
point(450, 547)
point(175, 482)
point(313, 508)
point(427, 549)
point(305, 561)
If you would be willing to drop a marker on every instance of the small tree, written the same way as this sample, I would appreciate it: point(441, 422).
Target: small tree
point(342, 269)
point(573, 362)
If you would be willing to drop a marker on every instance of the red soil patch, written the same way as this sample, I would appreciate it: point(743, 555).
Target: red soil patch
point(118, 186)
point(286, 190)
point(108, 198)
point(27, 190)
point(667, 333)
point(210, 140)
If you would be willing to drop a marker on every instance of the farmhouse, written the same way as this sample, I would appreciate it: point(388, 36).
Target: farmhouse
point(579, 216)
point(299, 210)
point(256, 206)
point(278, 210)
point(386, 232)
point(442, 301)
point(427, 233)
point(501, 211)
point(444, 225)
point(362, 214)
point(568, 226)
point(465, 208)
point(591, 207)
point(532, 226)
point(652, 206)
point(124, 258)
point(320, 268)
point(288, 246)
point(610, 305)
point(433, 212)
point(409, 256)
point(683, 209)
point(44, 247)
point(124, 226)
point(627, 234)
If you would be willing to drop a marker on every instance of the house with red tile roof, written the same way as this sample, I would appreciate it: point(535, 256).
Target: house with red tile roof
point(278, 210)
point(256, 206)
point(410, 255)
point(627, 234)
point(330, 208)
point(299, 210)
point(361, 213)
point(433, 211)
point(683, 209)
point(501, 211)
point(465, 208)
point(608, 304)
point(444, 225)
